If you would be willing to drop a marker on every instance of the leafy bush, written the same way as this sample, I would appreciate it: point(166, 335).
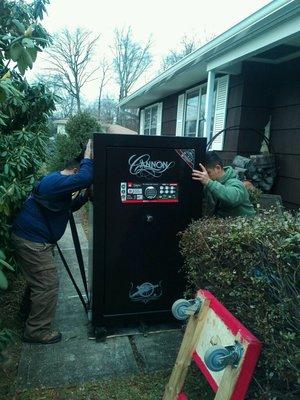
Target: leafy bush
point(252, 266)
point(24, 110)
point(79, 129)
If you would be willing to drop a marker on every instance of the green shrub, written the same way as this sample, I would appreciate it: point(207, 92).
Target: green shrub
point(24, 110)
point(252, 266)
point(79, 129)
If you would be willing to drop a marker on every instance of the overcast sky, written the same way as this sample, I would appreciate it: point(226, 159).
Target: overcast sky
point(166, 20)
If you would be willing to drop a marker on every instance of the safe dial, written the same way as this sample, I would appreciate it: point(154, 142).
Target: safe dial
point(150, 192)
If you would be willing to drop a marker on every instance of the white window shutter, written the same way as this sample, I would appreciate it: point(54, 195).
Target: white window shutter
point(159, 118)
point(179, 118)
point(142, 121)
point(220, 112)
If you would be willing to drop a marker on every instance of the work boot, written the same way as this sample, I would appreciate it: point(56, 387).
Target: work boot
point(49, 338)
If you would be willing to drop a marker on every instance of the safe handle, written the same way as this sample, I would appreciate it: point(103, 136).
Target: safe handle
point(149, 218)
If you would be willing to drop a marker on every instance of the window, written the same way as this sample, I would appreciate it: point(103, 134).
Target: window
point(150, 120)
point(190, 118)
point(194, 112)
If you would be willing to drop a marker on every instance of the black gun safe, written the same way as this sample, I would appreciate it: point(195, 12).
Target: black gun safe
point(143, 195)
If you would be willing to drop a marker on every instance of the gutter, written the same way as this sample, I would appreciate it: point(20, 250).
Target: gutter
point(219, 41)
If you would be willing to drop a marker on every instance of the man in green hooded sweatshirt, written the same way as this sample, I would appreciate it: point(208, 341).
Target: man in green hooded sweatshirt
point(225, 194)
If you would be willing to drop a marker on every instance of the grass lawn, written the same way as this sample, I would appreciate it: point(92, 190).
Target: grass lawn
point(144, 386)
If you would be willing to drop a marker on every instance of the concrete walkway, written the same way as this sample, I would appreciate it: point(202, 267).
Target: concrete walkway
point(77, 359)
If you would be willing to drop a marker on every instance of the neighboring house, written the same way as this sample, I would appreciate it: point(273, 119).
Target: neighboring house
point(60, 126)
point(115, 128)
point(239, 81)
point(108, 128)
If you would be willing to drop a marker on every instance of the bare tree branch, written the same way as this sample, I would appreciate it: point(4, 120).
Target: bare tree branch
point(130, 60)
point(105, 68)
point(187, 45)
point(70, 57)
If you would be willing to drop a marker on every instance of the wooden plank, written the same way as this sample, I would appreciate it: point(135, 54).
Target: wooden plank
point(229, 378)
point(187, 348)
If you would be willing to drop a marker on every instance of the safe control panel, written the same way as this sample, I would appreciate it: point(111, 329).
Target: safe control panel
point(148, 192)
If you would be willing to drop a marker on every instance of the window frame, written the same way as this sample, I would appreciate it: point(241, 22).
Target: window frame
point(199, 89)
point(157, 131)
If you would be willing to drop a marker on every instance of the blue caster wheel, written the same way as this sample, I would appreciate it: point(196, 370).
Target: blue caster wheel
point(216, 357)
point(179, 309)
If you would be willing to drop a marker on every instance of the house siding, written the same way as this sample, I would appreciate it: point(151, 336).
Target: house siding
point(285, 132)
point(168, 127)
point(261, 91)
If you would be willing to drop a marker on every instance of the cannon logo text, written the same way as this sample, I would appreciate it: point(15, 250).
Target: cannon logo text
point(142, 166)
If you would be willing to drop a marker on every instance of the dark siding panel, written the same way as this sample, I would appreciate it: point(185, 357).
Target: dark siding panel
point(291, 206)
point(235, 95)
point(249, 142)
point(227, 156)
point(286, 141)
point(286, 94)
point(233, 117)
point(169, 115)
point(260, 91)
point(168, 128)
point(287, 117)
point(231, 140)
point(289, 189)
point(285, 134)
point(289, 165)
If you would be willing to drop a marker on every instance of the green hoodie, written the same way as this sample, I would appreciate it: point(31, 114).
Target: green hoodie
point(228, 196)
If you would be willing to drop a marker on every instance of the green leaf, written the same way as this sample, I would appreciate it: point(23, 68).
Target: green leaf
point(8, 266)
point(6, 169)
point(19, 25)
point(3, 94)
point(16, 51)
point(33, 53)
point(24, 61)
point(3, 281)
point(28, 43)
point(2, 255)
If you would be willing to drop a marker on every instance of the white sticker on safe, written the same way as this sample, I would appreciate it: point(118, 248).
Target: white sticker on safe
point(145, 292)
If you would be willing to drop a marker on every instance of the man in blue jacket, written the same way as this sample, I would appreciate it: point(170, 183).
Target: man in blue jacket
point(39, 225)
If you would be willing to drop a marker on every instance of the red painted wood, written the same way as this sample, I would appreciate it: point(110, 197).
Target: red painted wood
point(182, 396)
point(205, 372)
point(252, 352)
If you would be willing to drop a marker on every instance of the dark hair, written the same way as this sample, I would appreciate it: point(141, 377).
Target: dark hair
point(212, 159)
point(73, 163)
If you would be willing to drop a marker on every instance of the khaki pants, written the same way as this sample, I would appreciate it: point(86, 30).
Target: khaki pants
point(37, 264)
